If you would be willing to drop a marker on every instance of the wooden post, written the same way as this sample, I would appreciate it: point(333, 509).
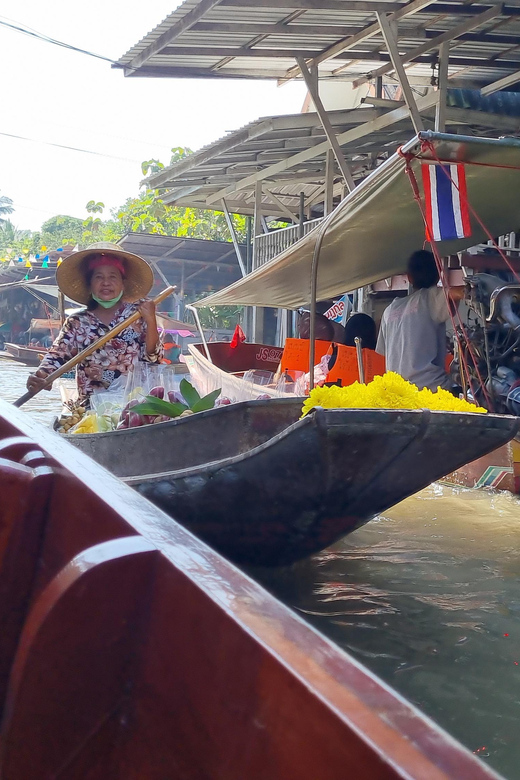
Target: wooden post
point(326, 124)
point(249, 245)
point(248, 312)
point(61, 306)
point(391, 45)
point(328, 203)
point(314, 74)
point(257, 221)
point(234, 239)
point(440, 110)
point(258, 313)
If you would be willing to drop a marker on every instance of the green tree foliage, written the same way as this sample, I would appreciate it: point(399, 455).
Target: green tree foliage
point(225, 317)
point(145, 213)
point(148, 214)
point(10, 236)
point(6, 207)
point(60, 230)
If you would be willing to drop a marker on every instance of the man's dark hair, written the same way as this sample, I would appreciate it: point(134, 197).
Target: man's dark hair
point(422, 270)
point(324, 329)
point(364, 327)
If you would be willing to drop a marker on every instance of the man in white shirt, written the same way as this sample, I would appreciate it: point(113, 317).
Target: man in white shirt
point(413, 329)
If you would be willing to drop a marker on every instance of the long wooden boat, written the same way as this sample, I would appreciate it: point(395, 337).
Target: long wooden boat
point(262, 486)
point(30, 356)
point(383, 226)
point(499, 469)
point(129, 649)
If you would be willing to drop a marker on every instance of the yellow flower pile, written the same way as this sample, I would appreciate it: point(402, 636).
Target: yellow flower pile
point(389, 391)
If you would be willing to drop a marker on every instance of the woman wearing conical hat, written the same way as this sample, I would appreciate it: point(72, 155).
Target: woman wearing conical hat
point(113, 284)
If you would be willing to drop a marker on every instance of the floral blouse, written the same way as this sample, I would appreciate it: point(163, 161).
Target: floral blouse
point(107, 364)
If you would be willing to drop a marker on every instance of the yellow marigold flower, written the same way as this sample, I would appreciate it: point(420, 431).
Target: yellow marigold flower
point(389, 391)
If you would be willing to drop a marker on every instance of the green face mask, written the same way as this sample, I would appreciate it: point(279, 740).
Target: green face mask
point(110, 303)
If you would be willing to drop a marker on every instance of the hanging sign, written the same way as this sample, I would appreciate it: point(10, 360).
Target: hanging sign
point(295, 355)
point(346, 366)
point(339, 310)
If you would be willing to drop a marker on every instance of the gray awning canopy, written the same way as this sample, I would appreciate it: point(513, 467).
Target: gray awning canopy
point(370, 235)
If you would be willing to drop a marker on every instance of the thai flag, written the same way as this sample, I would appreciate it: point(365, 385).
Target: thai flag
point(446, 200)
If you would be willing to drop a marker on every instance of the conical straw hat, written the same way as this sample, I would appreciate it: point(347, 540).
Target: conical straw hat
point(71, 276)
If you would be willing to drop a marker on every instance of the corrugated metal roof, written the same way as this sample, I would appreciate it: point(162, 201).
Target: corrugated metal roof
point(195, 265)
point(224, 165)
point(260, 39)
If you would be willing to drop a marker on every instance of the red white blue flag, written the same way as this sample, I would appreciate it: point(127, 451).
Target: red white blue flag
point(446, 201)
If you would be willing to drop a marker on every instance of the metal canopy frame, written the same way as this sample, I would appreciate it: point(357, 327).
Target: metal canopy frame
point(288, 154)
point(428, 43)
point(180, 259)
point(265, 39)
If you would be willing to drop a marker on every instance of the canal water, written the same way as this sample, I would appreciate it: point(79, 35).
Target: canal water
point(427, 596)
point(43, 407)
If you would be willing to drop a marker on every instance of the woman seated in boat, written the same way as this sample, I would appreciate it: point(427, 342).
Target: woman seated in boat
point(113, 285)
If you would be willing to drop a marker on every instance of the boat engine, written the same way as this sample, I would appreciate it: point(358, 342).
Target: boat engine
point(493, 331)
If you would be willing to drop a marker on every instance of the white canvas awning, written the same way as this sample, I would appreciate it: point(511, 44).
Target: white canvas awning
point(372, 232)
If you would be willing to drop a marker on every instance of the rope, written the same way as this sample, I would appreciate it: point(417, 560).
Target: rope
point(445, 286)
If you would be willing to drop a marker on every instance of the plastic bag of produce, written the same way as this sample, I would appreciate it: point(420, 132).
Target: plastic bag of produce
point(148, 379)
point(108, 408)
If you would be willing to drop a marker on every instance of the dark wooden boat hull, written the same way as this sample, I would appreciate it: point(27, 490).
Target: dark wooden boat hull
point(262, 487)
point(130, 650)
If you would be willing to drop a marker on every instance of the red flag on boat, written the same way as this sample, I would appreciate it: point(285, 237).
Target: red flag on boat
point(238, 337)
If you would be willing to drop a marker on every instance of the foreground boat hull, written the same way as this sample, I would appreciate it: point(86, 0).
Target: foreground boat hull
point(292, 487)
point(129, 649)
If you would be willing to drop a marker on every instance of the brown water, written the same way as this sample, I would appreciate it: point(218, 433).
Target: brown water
point(428, 597)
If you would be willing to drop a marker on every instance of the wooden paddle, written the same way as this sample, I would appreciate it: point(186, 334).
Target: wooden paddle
point(90, 349)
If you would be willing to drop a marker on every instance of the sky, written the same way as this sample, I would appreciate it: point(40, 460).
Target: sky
point(55, 96)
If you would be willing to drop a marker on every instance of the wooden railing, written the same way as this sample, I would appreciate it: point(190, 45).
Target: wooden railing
point(271, 244)
point(510, 243)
